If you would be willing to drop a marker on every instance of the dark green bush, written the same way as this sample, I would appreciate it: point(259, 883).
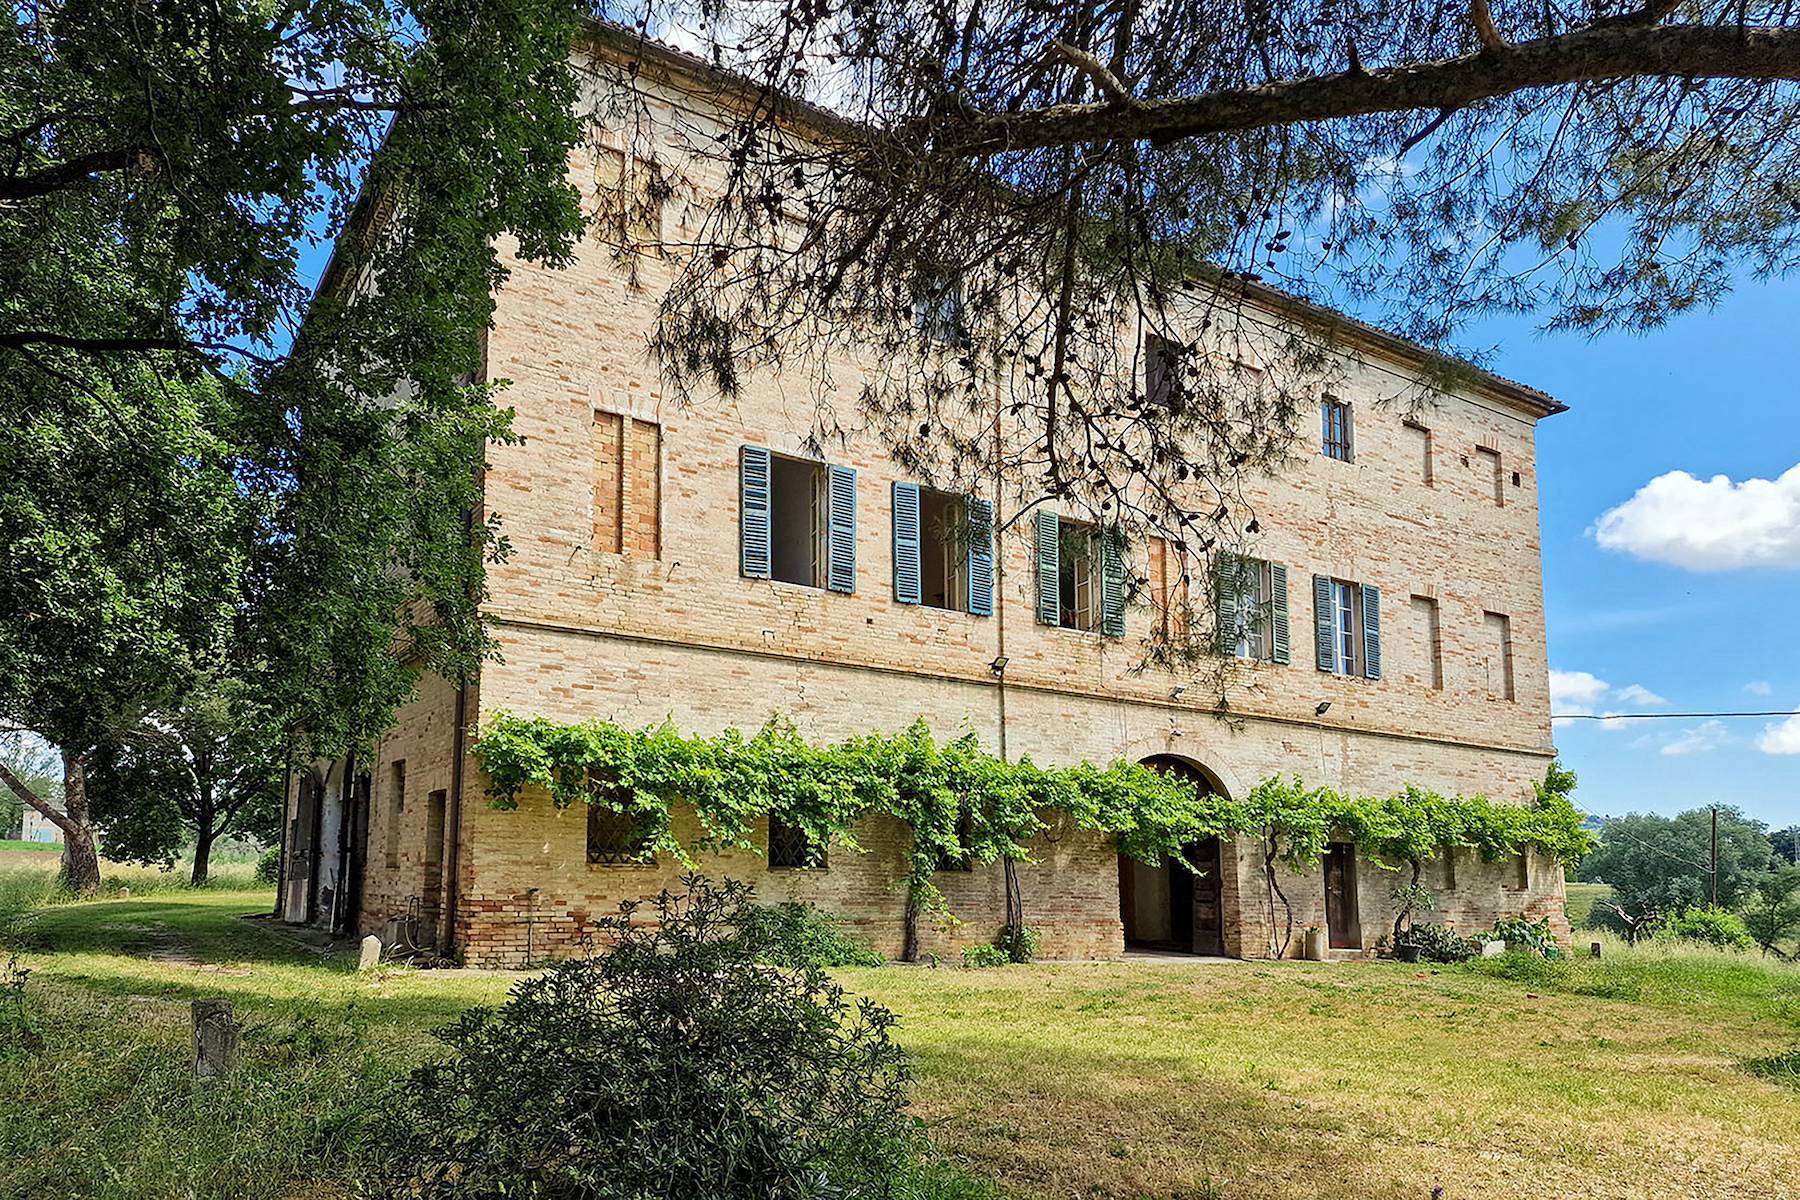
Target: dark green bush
point(1523, 933)
point(268, 866)
point(1437, 943)
point(1020, 942)
point(674, 1064)
point(985, 956)
point(800, 935)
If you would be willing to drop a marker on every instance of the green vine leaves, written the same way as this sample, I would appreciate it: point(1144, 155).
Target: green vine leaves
point(964, 804)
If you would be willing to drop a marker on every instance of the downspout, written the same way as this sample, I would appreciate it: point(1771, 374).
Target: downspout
point(1015, 901)
point(459, 735)
point(345, 804)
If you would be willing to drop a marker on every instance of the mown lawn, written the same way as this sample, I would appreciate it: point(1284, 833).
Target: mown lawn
point(1159, 1079)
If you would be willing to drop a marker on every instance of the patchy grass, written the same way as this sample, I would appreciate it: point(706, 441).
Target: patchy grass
point(29, 847)
point(1625, 1077)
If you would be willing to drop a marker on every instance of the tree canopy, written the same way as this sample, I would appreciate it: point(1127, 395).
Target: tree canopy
point(1659, 865)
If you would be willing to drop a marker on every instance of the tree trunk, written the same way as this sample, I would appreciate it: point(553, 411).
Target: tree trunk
point(203, 843)
point(81, 859)
point(1401, 917)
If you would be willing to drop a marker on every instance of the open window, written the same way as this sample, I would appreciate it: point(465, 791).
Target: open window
point(1081, 575)
point(799, 520)
point(943, 550)
point(1078, 576)
point(1347, 626)
point(938, 309)
point(1252, 602)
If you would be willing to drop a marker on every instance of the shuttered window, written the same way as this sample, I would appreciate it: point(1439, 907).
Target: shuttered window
point(1081, 576)
point(1252, 605)
point(908, 586)
point(943, 550)
point(798, 520)
point(1347, 627)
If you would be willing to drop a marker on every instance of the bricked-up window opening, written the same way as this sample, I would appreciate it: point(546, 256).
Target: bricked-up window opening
point(1500, 655)
point(1522, 871)
point(1431, 642)
point(627, 486)
point(615, 839)
point(631, 194)
point(1490, 463)
point(938, 314)
point(1335, 423)
point(1448, 858)
point(790, 849)
point(1169, 589)
point(1162, 372)
point(434, 845)
point(1421, 437)
point(797, 513)
point(943, 550)
point(1078, 575)
point(396, 805)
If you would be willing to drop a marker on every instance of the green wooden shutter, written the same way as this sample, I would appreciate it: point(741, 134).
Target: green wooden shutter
point(1323, 628)
point(1049, 568)
point(908, 587)
point(1226, 590)
point(840, 529)
point(1279, 637)
point(1371, 606)
point(1112, 583)
point(981, 556)
point(753, 512)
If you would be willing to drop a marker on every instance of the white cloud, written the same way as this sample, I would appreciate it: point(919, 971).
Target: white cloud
point(1759, 687)
point(1576, 692)
point(1636, 695)
point(1708, 525)
point(1708, 735)
point(1783, 737)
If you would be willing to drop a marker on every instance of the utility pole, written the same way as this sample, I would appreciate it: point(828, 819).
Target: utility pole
point(1715, 856)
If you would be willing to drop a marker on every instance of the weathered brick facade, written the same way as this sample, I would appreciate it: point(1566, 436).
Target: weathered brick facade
point(623, 601)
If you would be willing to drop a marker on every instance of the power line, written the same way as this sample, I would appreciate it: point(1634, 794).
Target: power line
point(1687, 716)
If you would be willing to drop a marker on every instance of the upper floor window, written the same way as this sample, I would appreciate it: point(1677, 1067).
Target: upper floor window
point(799, 520)
point(627, 485)
point(631, 192)
point(1252, 607)
point(1489, 458)
point(1081, 575)
point(943, 550)
point(938, 309)
point(1335, 427)
point(1162, 371)
point(1347, 626)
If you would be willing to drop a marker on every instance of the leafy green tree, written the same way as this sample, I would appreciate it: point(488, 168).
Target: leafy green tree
point(1662, 865)
point(175, 478)
point(1772, 914)
point(34, 764)
point(208, 769)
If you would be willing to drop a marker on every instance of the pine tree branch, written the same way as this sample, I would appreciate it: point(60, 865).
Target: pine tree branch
point(1584, 56)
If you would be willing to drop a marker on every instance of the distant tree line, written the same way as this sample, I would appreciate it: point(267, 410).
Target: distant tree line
point(1666, 877)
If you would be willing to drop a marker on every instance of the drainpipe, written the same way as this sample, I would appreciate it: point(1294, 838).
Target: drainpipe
point(1015, 901)
point(452, 868)
point(345, 804)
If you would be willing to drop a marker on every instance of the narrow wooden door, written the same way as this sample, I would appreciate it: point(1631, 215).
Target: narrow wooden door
point(1208, 901)
point(1343, 927)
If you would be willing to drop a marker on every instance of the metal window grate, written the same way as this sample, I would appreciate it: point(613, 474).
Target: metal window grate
point(615, 839)
point(790, 849)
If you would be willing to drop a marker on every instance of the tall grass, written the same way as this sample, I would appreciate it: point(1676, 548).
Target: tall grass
point(1667, 971)
point(27, 885)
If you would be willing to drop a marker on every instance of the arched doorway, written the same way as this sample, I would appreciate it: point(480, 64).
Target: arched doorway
point(1169, 907)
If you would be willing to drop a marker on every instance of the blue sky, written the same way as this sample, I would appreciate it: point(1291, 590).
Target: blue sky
point(1693, 602)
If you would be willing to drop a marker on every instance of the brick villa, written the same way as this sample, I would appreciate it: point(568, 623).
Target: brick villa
point(695, 564)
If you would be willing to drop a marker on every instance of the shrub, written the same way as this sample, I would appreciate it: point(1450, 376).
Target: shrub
point(799, 935)
point(674, 1063)
point(1438, 943)
point(1522, 933)
point(268, 866)
point(1019, 942)
point(985, 956)
point(1715, 926)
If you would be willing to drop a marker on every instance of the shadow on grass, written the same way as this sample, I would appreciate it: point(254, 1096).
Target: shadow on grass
point(174, 929)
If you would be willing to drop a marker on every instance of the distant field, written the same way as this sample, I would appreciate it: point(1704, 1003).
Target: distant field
point(1612, 1079)
point(30, 847)
point(1582, 898)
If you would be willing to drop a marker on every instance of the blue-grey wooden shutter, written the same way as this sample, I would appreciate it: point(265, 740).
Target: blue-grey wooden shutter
point(1112, 583)
point(908, 587)
point(1226, 590)
point(753, 512)
point(1279, 635)
point(981, 556)
point(1049, 568)
point(1371, 606)
point(1323, 625)
point(840, 529)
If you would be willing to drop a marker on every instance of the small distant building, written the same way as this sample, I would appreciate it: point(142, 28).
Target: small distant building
point(39, 828)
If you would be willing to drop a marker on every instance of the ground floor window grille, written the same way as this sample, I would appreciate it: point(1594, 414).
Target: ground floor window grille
point(615, 839)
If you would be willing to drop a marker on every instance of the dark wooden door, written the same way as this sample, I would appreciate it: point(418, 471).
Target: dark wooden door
point(1343, 927)
point(1208, 905)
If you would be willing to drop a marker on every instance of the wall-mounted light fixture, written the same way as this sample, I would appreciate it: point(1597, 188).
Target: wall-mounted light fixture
point(1179, 689)
point(998, 666)
point(1324, 707)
